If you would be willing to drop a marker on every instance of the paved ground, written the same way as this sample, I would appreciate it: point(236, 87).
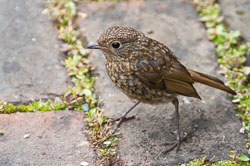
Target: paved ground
point(44, 139)
point(212, 125)
point(237, 15)
point(30, 61)
point(31, 68)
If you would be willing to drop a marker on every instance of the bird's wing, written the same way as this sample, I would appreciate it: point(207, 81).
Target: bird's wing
point(179, 81)
point(165, 72)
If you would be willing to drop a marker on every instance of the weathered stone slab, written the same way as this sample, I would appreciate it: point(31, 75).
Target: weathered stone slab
point(30, 61)
point(237, 15)
point(211, 124)
point(44, 138)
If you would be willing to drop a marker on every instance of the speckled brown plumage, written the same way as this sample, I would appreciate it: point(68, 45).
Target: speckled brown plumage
point(146, 70)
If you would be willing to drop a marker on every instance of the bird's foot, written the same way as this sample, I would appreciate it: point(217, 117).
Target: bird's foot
point(176, 144)
point(122, 119)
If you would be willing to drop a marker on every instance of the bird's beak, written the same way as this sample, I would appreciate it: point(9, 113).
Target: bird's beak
point(93, 46)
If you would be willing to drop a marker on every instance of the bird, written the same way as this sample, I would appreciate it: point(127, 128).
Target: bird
point(148, 71)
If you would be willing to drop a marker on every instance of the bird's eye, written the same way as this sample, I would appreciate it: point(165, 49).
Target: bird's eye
point(116, 45)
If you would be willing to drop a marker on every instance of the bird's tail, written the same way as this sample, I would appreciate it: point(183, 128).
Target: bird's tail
point(210, 81)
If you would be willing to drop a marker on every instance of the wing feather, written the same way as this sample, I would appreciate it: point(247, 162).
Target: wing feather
point(167, 73)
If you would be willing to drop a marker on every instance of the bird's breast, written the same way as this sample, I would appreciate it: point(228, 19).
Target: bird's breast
point(121, 73)
point(123, 76)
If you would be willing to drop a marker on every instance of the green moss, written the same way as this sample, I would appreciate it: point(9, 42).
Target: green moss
point(7, 108)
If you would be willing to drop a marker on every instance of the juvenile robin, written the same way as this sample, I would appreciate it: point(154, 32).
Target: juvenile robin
point(147, 71)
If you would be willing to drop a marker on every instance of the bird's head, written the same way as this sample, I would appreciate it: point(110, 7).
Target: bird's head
point(118, 42)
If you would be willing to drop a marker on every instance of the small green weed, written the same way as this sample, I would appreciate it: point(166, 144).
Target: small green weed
point(239, 160)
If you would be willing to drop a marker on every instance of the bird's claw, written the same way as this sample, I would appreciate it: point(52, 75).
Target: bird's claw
point(176, 144)
point(122, 119)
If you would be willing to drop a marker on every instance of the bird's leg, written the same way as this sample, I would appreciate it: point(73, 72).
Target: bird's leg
point(123, 117)
point(178, 141)
point(176, 105)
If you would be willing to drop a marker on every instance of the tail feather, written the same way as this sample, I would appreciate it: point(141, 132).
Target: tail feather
point(210, 81)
